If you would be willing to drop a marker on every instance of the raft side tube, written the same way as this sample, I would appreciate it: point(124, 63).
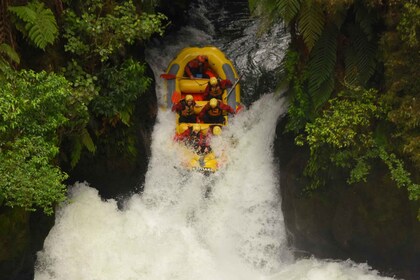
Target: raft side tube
point(171, 84)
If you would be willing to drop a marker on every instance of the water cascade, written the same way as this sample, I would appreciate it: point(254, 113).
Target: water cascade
point(185, 225)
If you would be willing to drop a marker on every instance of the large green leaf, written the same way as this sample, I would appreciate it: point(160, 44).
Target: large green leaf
point(9, 52)
point(288, 9)
point(359, 57)
point(321, 66)
point(40, 24)
point(311, 22)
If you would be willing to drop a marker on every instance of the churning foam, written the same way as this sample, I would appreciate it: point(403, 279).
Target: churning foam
point(186, 225)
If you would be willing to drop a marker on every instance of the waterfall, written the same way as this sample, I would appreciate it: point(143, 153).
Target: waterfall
point(185, 225)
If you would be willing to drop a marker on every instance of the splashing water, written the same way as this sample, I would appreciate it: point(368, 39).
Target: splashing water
point(173, 231)
point(226, 226)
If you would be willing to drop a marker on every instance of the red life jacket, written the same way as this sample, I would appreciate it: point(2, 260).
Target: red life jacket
point(187, 110)
point(215, 112)
point(215, 91)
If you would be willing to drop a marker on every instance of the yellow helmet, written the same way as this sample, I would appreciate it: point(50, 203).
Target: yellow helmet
point(213, 102)
point(217, 130)
point(196, 127)
point(182, 128)
point(213, 81)
point(189, 97)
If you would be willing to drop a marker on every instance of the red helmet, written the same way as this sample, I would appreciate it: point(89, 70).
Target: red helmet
point(202, 58)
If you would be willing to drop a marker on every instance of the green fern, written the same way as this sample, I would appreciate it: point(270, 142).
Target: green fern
point(359, 57)
point(321, 67)
point(288, 9)
point(80, 141)
point(40, 24)
point(365, 18)
point(9, 52)
point(311, 23)
point(76, 152)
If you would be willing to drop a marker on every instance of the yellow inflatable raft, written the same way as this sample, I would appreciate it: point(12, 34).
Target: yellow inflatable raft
point(178, 85)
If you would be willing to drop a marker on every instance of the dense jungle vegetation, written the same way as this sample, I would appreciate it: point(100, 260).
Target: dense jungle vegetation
point(351, 69)
point(70, 75)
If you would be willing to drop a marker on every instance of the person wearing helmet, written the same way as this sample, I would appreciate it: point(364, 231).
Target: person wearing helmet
point(196, 138)
point(185, 108)
point(199, 67)
point(215, 88)
point(217, 130)
point(182, 133)
point(213, 111)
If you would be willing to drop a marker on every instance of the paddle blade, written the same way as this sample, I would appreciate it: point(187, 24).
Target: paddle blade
point(168, 76)
point(176, 96)
point(239, 108)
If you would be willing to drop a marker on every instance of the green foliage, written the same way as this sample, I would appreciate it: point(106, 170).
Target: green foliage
point(288, 9)
point(311, 22)
point(399, 174)
point(359, 57)
point(101, 31)
point(410, 24)
point(350, 113)
point(321, 66)
point(298, 112)
point(33, 107)
point(39, 23)
point(400, 55)
point(119, 89)
point(98, 35)
point(344, 132)
point(7, 54)
point(28, 177)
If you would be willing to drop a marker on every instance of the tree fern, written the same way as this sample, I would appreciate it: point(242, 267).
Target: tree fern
point(7, 53)
point(288, 9)
point(321, 67)
point(359, 57)
point(84, 140)
point(365, 19)
point(311, 22)
point(40, 25)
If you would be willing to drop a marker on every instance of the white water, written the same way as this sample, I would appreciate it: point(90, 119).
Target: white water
point(172, 231)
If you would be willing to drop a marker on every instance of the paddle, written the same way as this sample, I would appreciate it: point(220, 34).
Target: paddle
point(173, 77)
point(176, 96)
point(169, 76)
point(234, 85)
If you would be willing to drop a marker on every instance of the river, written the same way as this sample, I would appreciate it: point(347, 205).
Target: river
point(173, 230)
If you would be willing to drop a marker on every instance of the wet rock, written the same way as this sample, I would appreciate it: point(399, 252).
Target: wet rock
point(371, 222)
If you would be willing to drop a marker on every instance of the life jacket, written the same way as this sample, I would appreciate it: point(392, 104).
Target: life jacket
point(187, 110)
point(215, 91)
point(197, 67)
point(215, 112)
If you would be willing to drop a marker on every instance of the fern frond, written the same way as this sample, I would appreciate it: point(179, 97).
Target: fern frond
point(365, 19)
point(76, 152)
point(311, 23)
point(359, 57)
point(87, 141)
point(8, 52)
point(40, 23)
point(288, 9)
point(321, 66)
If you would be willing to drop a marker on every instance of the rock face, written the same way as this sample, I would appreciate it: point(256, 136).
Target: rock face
point(373, 222)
